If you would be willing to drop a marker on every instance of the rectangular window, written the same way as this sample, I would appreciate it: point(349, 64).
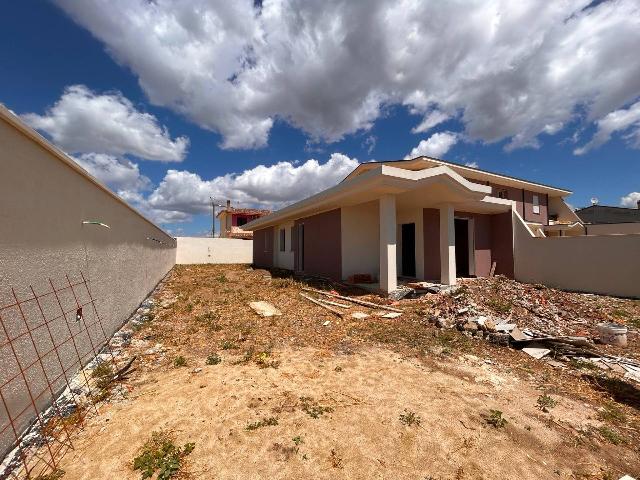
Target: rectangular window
point(536, 204)
point(503, 193)
point(283, 238)
point(241, 221)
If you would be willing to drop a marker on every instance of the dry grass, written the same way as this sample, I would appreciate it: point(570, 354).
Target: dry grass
point(339, 391)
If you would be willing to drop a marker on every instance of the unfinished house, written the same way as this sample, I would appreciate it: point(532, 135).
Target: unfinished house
point(232, 219)
point(422, 219)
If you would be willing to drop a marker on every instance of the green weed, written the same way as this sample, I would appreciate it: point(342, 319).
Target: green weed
point(265, 422)
point(496, 419)
point(179, 361)
point(410, 418)
point(160, 456)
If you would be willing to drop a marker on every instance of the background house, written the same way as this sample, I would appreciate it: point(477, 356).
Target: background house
point(605, 220)
point(231, 219)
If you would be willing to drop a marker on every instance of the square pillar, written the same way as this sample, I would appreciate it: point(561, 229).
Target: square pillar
point(447, 245)
point(388, 269)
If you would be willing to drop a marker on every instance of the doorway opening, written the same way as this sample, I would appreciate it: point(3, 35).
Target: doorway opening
point(462, 247)
point(408, 234)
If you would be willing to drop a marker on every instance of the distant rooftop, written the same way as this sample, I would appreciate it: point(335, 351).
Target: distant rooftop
point(604, 214)
point(244, 211)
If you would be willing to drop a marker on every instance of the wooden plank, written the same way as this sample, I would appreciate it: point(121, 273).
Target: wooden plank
point(326, 307)
point(354, 300)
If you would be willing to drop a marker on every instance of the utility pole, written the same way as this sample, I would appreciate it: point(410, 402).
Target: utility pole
point(213, 216)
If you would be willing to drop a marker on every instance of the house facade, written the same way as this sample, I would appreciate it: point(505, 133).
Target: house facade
point(232, 219)
point(423, 219)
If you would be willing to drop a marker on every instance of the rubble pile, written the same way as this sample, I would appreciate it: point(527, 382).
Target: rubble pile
point(541, 321)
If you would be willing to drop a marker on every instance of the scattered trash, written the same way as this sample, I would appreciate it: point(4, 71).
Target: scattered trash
point(264, 309)
point(391, 315)
point(536, 352)
point(613, 334)
point(360, 315)
point(326, 324)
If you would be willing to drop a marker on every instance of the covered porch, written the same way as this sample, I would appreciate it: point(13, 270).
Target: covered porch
point(429, 225)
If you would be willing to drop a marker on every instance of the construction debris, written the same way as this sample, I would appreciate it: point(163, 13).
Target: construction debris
point(359, 315)
point(320, 304)
point(354, 300)
point(265, 309)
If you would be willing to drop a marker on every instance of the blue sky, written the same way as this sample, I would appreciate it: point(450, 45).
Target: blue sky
point(211, 91)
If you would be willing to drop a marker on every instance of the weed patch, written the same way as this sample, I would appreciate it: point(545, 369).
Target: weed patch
point(546, 403)
point(611, 435)
point(179, 361)
point(57, 474)
point(160, 456)
point(213, 359)
point(611, 413)
point(410, 418)
point(265, 422)
point(313, 408)
point(495, 419)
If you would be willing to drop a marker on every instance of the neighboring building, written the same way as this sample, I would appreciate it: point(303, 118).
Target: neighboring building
point(605, 220)
point(231, 219)
point(422, 218)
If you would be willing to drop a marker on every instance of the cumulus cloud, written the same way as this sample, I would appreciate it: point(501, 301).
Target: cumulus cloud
point(631, 200)
point(82, 121)
point(625, 120)
point(430, 120)
point(435, 146)
point(119, 174)
point(182, 193)
point(505, 70)
point(472, 164)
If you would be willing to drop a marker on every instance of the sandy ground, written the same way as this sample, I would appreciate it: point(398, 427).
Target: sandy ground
point(367, 373)
point(368, 393)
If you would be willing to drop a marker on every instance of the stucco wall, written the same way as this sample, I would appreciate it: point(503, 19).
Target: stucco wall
point(322, 244)
point(361, 239)
point(606, 264)
point(613, 228)
point(263, 247)
point(213, 250)
point(43, 204)
point(431, 236)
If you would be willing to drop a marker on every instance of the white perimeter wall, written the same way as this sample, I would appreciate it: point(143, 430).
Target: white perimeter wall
point(613, 228)
point(213, 250)
point(43, 202)
point(607, 264)
point(360, 239)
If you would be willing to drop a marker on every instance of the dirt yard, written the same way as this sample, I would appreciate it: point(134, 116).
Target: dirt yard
point(293, 396)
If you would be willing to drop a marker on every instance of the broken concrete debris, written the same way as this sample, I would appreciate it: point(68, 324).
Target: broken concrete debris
point(360, 315)
point(264, 309)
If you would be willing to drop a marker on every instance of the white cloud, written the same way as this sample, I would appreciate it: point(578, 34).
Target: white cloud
point(631, 200)
point(472, 164)
point(182, 193)
point(430, 120)
point(119, 174)
point(435, 146)
point(619, 121)
point(82, 121)
point(506, 70)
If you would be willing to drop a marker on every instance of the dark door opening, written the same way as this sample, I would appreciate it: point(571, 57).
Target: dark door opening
point(462, 247)
point(408, 249)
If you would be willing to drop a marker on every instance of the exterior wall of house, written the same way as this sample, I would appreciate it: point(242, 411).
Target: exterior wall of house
point(322, 244)
point(284, 259)
point(263, 247)
point(192, 250)
point(604, 264)
point(411, 215)
point(431, 239)
point(493, 242)
point(360, 231)
point(502, 244)
point(529, 215)
point(44, 201)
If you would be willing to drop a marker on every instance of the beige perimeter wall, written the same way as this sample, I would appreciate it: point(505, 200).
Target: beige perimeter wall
point(607, 264)
point(213, 250)
point(43, 202)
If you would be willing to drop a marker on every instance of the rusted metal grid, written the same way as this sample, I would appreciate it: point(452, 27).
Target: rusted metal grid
point(47, 336)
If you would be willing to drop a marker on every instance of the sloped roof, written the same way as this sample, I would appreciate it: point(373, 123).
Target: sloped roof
point(244, 211)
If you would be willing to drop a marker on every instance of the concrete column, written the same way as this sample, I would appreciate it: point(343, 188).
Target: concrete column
point(388, 269)
point(447, 246)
